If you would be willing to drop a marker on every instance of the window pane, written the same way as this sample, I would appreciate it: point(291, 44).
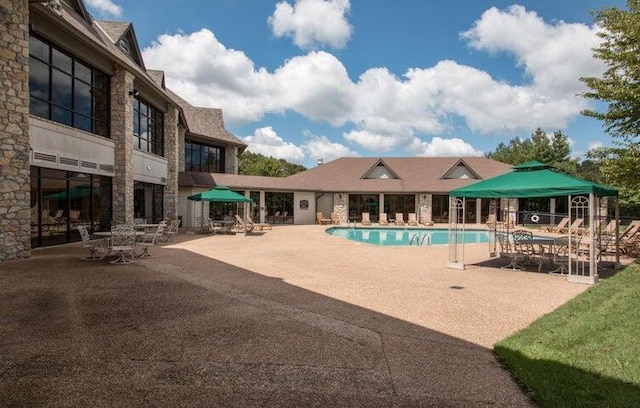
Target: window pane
point(61, 89)
point(82, 122)
point(60, 60)
point(101, 107)
point(101, 128)
point(144, 129)
point(101, 80)
point(38, 79)
point(61, 115)
point(39, 108)
point(38, 49)
point(82, 72)
point(82, 98)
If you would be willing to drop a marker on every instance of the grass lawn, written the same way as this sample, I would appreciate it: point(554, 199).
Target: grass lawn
point(587, 352)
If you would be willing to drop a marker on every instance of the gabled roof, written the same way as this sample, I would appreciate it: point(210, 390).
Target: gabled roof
point(371, 173)
point(415, 175)
point(451, 173)
point(207, 122)
point(78, 7)
point(123, 36)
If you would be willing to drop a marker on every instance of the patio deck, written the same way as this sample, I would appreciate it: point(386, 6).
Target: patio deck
point(292, 317)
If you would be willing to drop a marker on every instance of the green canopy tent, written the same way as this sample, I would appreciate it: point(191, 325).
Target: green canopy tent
point(221, 194)
point(531, 180)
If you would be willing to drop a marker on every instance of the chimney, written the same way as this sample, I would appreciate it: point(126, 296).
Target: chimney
point(320, 161)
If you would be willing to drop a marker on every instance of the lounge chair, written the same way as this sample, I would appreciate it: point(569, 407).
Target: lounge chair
point(575, 228)
point(399, 219)
point(413, 221)
point(365, 219)
point(242, 225)
point(260, 226)
point(383, 219)
point(335, 219)
point(93, 245)
point(321, 220)
point(558, 228)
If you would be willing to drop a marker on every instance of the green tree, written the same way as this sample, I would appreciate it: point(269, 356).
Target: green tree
point(256, 164)
point(554, 150)
point(619, 88)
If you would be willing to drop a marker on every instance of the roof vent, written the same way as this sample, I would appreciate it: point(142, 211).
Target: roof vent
point(320, 161)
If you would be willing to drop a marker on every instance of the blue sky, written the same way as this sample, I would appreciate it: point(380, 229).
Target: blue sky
point(304, 79)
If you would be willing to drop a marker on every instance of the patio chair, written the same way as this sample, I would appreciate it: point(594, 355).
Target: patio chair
point(365, 219)
point(242, 225)
point(575, 228)
point(123, 241)
point(383, 219)
point(93, 245)
point(172, 229)
point(412, 220)
point(564, 222)
point(335, 218)
point(629, 239)
point(399, 219)
point(564, 250)
point(525, 249)
point(321, 220)
point(149, 240)
point(507, 250)
point(260, 226)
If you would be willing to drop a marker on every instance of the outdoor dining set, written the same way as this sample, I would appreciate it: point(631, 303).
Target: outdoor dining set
point(126, 242)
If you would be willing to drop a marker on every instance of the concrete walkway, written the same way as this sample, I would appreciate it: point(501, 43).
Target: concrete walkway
point(289, 318)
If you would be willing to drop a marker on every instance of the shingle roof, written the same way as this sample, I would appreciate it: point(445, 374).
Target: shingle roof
point(415, 175)
point(205, 121)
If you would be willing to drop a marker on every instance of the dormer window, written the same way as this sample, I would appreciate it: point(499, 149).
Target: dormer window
point(124, 45)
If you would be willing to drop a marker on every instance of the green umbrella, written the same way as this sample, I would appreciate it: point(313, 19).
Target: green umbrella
point(220, 194)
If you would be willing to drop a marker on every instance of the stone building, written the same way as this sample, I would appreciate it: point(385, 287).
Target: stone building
point(88, 135)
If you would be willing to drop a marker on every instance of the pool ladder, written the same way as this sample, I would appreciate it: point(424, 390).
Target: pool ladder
point(421, 242)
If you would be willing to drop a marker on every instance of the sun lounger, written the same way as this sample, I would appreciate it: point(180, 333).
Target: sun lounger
point(335, 219)
point(399, 219)
point(260, 226)
point(558, 228)
point(383, 219)
point(413, 221)
point(365, 219)
point(575, 227)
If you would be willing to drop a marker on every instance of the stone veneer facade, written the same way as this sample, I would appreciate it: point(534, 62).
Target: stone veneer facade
point(15, 217)
point(121, 131)
point(172, 154)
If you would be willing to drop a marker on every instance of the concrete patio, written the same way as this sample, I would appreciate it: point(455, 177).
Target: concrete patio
point(289, 318)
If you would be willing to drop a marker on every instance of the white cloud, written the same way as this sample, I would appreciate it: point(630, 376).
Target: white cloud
point(106, 6)
point(312, 23)
point(388, 112)
point(554, 55)
point(439, 147)
point(267, 142)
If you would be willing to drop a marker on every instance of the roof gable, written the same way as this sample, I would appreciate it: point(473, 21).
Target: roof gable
point(461, 170)
point(123, 36)
point(380, 170)
point(78, 7)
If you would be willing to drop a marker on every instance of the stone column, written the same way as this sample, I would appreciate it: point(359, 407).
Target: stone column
point(172, 154)
point(122, 135)
point(425, 208)
point(15, 217)
point(231, 160)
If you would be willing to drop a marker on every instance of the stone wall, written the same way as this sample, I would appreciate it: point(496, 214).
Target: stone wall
point(121, 134)
point(172, 154)
point(15, 216)
point(425, 208)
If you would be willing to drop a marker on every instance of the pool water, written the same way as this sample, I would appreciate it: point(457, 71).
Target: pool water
point(407, 236)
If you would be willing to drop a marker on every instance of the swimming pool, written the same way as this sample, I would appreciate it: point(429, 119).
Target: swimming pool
point(407, 236)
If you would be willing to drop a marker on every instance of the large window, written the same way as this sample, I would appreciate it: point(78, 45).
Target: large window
point(148, 127)
point(440, 211)
point(359, 203)
point(66, 90)
point(399, 203)
point(63, 200)
point(202, 157)
point(148, 201)
point(279, 207)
